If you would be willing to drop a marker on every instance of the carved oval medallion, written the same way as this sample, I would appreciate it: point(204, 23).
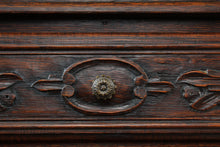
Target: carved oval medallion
point(104, 86)
point(99, 95)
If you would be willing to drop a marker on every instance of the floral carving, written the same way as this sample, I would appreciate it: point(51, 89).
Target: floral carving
point(103, 87)
point(201, 88)
point(7, 80)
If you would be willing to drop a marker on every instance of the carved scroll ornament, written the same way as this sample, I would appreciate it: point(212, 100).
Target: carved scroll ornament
point(121, 86)
point(201, 89)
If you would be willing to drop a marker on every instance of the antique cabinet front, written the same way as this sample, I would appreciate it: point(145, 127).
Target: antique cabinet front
point(109, 73)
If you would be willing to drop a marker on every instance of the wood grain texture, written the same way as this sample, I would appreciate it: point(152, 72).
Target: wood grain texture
point(202, 90)
point(117, 144)
point(110, 41)
point(7, 80)
point(104, 1)
point(164, 67)
point(108, 26)
point(129, 85)
point(110, 7)
point(172, 43)
point(109, 128)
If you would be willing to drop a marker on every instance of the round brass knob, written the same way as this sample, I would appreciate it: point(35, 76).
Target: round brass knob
point(103, 87)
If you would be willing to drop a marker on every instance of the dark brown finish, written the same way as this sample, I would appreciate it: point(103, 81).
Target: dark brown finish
point(109, 41)
point(161, 69)
point(203, 92)
point(7, 98)
point(119, 144)
point(162, 59)
point(110, 25)
point(110, 7)
point(126, 76)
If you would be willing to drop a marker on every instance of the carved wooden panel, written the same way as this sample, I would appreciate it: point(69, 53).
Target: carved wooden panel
point(132, 72)
point(129, 87)
point(61, 86)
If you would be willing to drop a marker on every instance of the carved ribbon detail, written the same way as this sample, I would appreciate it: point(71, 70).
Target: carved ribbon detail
point(202, 89)
point(7, 80)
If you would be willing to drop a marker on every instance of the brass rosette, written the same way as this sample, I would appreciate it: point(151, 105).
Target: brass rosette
point(103, 87)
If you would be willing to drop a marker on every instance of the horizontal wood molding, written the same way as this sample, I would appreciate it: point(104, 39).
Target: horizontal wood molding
point(116, 144)
point(109, 26)
point(97, 127)
point(105, 1)
point(111, 41)
point(109, 7)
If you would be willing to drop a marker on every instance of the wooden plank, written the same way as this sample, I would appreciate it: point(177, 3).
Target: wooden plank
point(66, 127)
point(118, 144)
point(110, 41)
point(108, 26)
point(111, 7)
point(98, 1)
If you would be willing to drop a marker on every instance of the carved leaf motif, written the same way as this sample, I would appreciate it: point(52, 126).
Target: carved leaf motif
point(55, 84)
point(48, 85)
point(8, 79)
point(208, 83)
point(160, 87)
point(201, 78)
point(206, 102)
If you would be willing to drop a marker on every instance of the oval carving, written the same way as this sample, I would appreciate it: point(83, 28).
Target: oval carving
point(122, 72)
point(105, 86)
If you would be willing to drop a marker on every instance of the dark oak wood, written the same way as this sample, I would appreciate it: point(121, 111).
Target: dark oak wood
point(110, 41)
point(110, 7)
point(109, 26)
point(107, 144)
point(109, 73)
